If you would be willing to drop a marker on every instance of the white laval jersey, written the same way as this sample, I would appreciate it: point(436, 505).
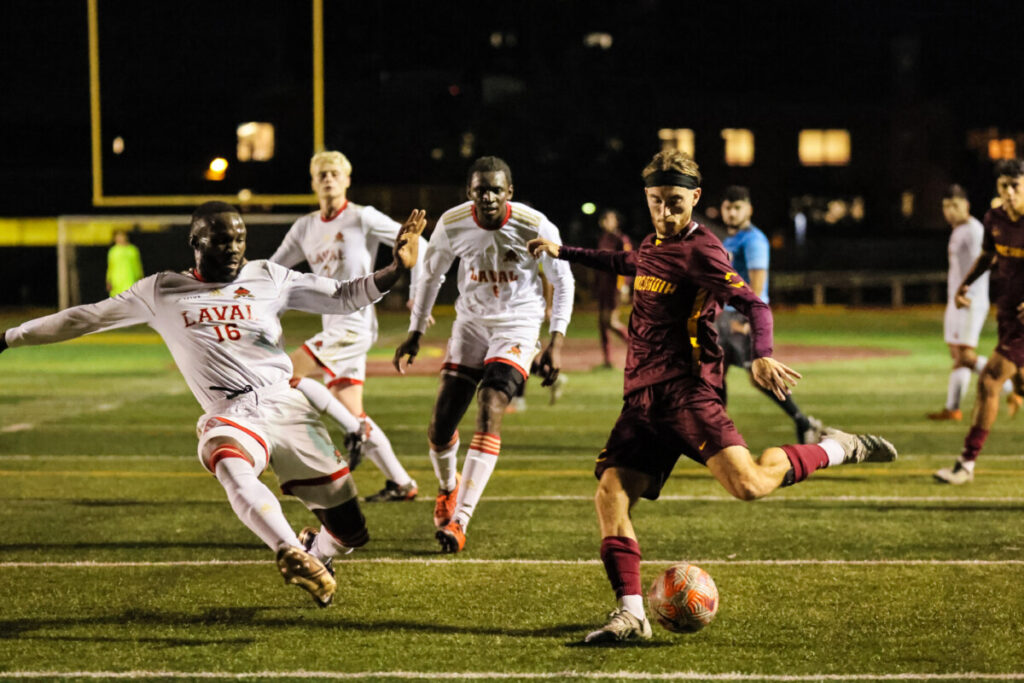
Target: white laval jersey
point(964, 248)
point(225, 335)
point(342, 248)
point(499, 282)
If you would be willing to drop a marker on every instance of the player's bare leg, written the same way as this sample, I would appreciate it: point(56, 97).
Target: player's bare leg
point(454, 396)
point(617, 492)
point(997, 372)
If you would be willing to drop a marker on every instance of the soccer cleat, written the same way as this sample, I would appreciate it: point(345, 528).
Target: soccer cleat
point(622, 626)
point(947, 414)
point(957, 474)
point(307, 537)
point(393, 493)
point(444, 506)
point(862, 447)
point(809, 430)
point(1014, 401)
point(452, 537)
point(558, 388)
point(302, 569)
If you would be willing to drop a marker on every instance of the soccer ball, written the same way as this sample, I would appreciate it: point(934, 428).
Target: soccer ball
point(683, 598)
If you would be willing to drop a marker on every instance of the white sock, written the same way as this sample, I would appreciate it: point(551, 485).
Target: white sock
point(833, 450)
point(966, 464)
point(445, 462)
point(378, 449)
point(634, 604)
point(979, 364)
point(326, 546)
point(959, 380)
point(321, 398)
point(254, 504)
point(476, 471)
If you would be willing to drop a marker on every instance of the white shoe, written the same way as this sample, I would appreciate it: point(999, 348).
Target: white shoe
point(621, 626)
point(862, 447)
point(958, 474)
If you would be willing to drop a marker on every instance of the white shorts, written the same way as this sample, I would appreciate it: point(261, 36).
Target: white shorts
point(962, 326)
point(280, 428)
point(341, 353)
point(474, 345)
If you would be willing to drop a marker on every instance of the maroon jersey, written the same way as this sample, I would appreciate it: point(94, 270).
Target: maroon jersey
point(1005, 238)
point(679, 286)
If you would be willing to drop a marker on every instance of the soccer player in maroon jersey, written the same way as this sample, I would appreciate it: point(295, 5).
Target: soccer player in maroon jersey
point(610, 289)
point(1002, 248)
point(673, 379)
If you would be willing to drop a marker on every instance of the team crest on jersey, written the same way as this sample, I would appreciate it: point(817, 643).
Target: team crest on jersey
point(339, 237)
point(242, 292)
point(734, 280)
point(510, 256)
point(515, 351)
point(318, 344)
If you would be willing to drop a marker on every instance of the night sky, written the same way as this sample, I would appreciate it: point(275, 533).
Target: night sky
point(404, 79)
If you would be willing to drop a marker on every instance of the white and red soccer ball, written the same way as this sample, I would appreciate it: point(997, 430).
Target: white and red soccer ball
point(683, 598)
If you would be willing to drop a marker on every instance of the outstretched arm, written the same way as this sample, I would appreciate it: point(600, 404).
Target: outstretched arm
point(620, 262)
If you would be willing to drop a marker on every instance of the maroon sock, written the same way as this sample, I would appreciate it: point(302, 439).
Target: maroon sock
point(805, 459)
point(973, 443)
point(621, 557)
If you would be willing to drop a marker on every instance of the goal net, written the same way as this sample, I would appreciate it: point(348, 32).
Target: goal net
point(162, 239)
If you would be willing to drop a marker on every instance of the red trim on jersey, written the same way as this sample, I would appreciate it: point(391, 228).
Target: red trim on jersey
point(508, 214)
point(344, 381)
point(227, 451)
point(305, 347)
point(506, 361)
point(335, 214)
point(196, 275)
point(286, 488)
point(247, 431)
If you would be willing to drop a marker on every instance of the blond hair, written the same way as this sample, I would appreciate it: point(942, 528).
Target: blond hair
point(673, 160)
point(329, 158)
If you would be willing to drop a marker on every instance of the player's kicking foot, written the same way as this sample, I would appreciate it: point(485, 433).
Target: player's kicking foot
point(444, 505)
point(862, 447)
point(946, 415)
point(622, 626)
point(452, 538)
point(957, 474)
point(393, 493)
point(809, 430)
point(302, 569)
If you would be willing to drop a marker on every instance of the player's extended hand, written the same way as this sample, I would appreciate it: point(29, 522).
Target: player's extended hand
point(539, 246)
point(961, 299)
point(550, 362)
point(410, 347)
point(407, 244)
point(774, 376)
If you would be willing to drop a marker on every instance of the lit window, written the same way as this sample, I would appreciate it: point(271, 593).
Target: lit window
point(598, 39)
point(824, 147)
point(677, 138)
point(255, 141)
point(907, 204)
point(1002, 148)
point(739, 146)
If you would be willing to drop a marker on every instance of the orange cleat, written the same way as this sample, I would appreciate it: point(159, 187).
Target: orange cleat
point(444, 506)
point(947, 414)
point(452, 538)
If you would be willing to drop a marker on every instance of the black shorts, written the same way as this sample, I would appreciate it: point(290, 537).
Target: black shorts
point(683, 416)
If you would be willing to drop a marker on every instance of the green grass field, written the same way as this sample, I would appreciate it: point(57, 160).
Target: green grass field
point(120, 557)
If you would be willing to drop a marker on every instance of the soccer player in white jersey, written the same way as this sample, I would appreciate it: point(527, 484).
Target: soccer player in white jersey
point(220, 321)
point(495, 335)
point(962, 326)
point(340, 241)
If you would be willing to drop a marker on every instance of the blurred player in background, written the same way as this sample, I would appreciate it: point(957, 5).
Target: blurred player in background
point(1003, 249)
point(961, 327)
point(124, 264)
point(673, 381)
point(750, 252)
point(611, 290)
point(496, 332)
point(220, 321)
point(340, 241)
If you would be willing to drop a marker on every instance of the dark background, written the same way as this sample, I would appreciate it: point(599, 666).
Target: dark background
point(415, 90)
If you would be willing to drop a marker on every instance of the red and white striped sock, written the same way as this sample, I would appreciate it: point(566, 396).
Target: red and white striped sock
point(480, 461)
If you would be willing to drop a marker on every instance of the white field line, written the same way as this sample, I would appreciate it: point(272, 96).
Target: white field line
point(86, 408)
point(502, 675)
point(87, 564)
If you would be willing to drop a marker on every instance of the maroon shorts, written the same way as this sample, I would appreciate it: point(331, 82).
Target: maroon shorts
point(1011, 338)
point(682, 416)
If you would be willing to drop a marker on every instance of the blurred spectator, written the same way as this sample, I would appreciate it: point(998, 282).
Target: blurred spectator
point(124, 264)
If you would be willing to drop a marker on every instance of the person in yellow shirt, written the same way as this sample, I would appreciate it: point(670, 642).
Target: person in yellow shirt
point(124, 264)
